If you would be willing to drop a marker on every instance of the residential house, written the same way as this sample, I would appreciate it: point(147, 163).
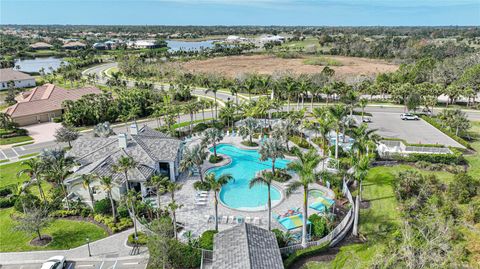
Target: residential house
point(41, 46)
point(245, 246)
point(20, 79)
point(154, 153)
point(44, 103)
point(74, 45)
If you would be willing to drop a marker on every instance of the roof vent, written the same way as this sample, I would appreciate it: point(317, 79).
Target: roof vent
point(122, 141)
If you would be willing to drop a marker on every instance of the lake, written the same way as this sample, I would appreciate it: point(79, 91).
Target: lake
point(34, 65)
point(176, 45)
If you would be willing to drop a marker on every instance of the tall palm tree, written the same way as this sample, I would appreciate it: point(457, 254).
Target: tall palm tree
point(213, 136)
point(214, 87)
point(172, 187)
point(191, 108)
point(282, 130)
point(227, 113)
point(107, 186)
point(248, 128)
point(216, 185)
point(338, 112)
point(362, 104)
point(271, 149)
point(304, 166)
point(123, 165)
point(34, 169)
point(363, 137)
point(130, 200)
point(86, 181)
point(361, 169)
point(160, 184)
point(193, 157)
point(265, 178)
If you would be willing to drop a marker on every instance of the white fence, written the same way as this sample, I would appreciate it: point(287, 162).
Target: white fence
point(337, 234)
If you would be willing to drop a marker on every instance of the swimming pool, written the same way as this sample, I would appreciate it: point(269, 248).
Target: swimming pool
point(243, 167)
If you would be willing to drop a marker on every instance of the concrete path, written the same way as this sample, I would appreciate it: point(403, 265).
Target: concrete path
point(113, 247)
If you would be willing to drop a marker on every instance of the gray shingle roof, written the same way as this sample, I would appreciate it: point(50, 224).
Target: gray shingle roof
point(246, 246)
point(98, 154)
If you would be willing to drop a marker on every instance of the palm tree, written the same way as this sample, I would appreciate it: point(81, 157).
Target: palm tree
point(271, 149)
point(363, 137)
point(337, 112)
point(361, 171)
point(193, 157)
point(160, 184)
point(123, 165)
point(213, 136)
point(282, 130)
point(265, 178)
point(216, 184)
point(172, 187)
point(87, 180)
point(227, 113)
point(34, 169)
point(248, 128)
point(362, 104)
point(191, 108)
point(305, 169)
point(107, 186)
point(214, 87)
point(130, 200)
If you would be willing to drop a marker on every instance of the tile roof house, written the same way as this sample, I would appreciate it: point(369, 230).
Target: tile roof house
point(44, 103)
point(153, 151)
point(20, 79)
point(74, 45)
point(246, 246)
point(40, 46)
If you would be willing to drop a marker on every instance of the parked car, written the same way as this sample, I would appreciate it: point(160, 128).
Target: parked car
point(367, 119)
point(408, 116)
point(55, 262)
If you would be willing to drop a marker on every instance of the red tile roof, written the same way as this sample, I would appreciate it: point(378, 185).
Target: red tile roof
point(47, 98)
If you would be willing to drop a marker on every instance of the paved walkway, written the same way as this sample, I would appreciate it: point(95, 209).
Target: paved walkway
point(113, 247)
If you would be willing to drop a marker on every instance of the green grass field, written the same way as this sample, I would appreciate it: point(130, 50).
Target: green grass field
point(15, 139)
point(66, 234)
point(8, 174)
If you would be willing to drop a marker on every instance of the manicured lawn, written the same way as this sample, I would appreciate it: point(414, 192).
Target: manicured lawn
point(15, 139)
point(66, 234)
point(376, 222)
point(8, 174)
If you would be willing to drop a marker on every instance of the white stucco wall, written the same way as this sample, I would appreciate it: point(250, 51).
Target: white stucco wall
point(26, 83)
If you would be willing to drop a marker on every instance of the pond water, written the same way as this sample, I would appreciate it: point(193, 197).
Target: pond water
point(176, 45)
point(34, 65)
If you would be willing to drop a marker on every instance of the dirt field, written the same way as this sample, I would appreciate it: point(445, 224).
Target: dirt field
point(265, 64)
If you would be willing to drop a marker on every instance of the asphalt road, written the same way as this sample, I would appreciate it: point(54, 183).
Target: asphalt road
point(134, 263)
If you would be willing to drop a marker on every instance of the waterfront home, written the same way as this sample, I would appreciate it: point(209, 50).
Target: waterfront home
point(17, 78)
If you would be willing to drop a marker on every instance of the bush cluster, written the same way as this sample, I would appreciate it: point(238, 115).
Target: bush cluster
point(201, 186)
point(122, 223)
point(142, 239)
point(300, 141)
point(103, 206)
point(319, 226)
point(206, 239)
point(215, 159)
point(183, 256)
point(463, 188)
point(302, 253)
point(454, 169)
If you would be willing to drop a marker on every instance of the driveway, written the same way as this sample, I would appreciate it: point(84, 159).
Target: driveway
point(43, 132)
point(390, 125)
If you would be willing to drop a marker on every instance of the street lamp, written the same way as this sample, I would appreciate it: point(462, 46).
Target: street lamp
point(88, 246)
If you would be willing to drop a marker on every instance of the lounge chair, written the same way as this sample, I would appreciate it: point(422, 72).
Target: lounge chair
point(256, 221)
point(224, 219)
point(248, 220)
point(231, 219)
point(200, 203)
point(209, 218)
point(201, 199)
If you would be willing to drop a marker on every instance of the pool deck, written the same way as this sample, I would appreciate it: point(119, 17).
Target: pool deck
point(194, 216)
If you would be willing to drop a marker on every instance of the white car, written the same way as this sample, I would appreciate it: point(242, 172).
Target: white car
point(55, 262)
point(408, 116)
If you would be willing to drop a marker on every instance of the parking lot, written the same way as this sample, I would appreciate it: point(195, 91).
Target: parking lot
point(389, 125)
point(133, 263)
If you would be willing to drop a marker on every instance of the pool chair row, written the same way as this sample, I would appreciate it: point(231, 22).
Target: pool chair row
point(233, 219)
point(201, 198)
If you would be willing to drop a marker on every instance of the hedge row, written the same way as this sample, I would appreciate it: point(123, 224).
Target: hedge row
point(303, 253)
point(455, 158)
point(437, 125)
point(300, 141)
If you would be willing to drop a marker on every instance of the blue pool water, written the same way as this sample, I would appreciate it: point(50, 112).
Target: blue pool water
point(244, 166)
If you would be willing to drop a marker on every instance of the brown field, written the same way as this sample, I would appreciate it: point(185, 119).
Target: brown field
point(267, 64)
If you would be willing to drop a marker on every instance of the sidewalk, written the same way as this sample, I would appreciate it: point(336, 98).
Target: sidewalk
point(113, 247)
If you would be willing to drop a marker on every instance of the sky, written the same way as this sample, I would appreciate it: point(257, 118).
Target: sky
point(242, 12)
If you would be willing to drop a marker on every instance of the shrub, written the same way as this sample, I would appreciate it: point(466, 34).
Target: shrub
point(463, 188)
point(319, 225)
point(281, 175)
point(27, 200)
point(57, 119)
point(7, 190)
point(122, 223)
point(64, 213)
point(206, 240)
point(215, 159)
point(7, 201)
point(142, 239)
point(248, 144)
point(103, 206)
point(201, 186)
point(200, 127)
point(455, 158)
point(280, 238)
point(183, 256)
point(300, 141)
point(303, 253)
point(122, 211)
